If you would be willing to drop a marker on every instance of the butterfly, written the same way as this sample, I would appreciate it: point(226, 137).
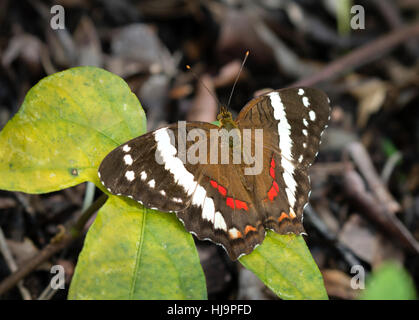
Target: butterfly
point(189, 168)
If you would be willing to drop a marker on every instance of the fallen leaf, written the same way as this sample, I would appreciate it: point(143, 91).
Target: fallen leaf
point(338, 284)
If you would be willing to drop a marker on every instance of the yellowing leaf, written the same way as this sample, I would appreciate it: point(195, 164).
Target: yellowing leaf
point(66, 125)
point(133, 253)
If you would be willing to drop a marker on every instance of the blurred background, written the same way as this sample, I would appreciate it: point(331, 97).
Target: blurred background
point(364, 54)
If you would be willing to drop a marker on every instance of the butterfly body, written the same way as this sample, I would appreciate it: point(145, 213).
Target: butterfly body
point(228, 191)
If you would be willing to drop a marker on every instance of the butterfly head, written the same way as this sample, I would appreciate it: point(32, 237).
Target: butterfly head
point(226, 119)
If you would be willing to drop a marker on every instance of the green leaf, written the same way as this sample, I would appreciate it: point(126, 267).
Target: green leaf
point(132, 253)
point(285, 265)
point(388, 147)
point(66, 125)
point(389, 282)
point(343, 16)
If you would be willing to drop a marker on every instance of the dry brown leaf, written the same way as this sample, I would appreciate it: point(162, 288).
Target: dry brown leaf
point(26, 47)
point(371, 96)
point(386, 250)
point(228, 74)
point(88, 44)
point(24, 250)
point(204, 107)
point(180, 91)
point(138, 46)
point(338, 284)
point(358, 237)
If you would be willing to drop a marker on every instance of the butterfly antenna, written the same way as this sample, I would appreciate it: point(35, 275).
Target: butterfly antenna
point(237, 77)
point(202, 82)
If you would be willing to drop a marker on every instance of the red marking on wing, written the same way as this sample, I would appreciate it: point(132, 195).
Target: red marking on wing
point(219, 187)
point(272, 172)
point(222, 190)
point(241, 205)
point(230, 202)
point(272, 193)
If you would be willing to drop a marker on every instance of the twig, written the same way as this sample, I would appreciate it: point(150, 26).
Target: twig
point(391, 13)
point(363, 161)
point(361, 56)
point(88, 196)
point(4, 249)
point(285, 58)
point(48, 293)
point(62, 35)
point(389, 166)
point(22, 198)
point(375, 210)
point(329, 168)
point(58, 243)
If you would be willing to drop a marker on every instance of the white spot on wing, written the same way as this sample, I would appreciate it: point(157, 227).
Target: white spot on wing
point(305, 132)
point(300, 92)
point(219, 222)
point(305, 102)
point(305, 122)
point(143, 175)
point(152, 183)
point(126, 148)
point(234, 233)
point(312, 115)
point(128, 159)
point(208, 210)
point(130, 175)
